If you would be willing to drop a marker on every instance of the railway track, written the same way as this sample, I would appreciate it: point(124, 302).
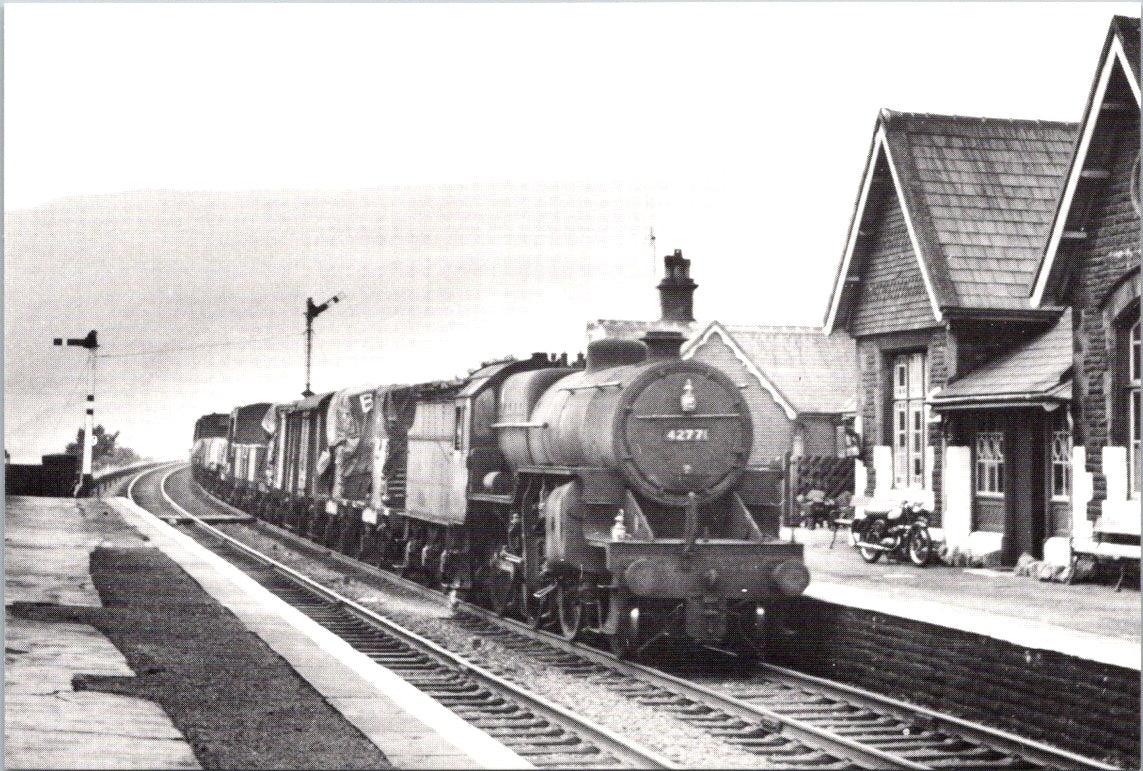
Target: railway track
point(785, 717)
point(542, 732)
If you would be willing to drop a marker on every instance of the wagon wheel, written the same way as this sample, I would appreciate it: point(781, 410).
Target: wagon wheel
point(362, 550)
point(500, 590)
point(531, 607)
point(405, 568)
point(346, 540)
point(570, 611)
point(314, 523)
point(746, 635)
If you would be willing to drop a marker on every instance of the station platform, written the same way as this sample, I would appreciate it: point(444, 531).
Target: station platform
point(55, 719)
point(1090, 621)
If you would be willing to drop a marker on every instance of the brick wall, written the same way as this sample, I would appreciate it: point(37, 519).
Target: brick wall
point(773, 430)
point(819, 435)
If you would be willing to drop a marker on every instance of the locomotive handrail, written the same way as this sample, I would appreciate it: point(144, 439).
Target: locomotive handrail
point(690, 415)
point(521, 424)
point(600, 386)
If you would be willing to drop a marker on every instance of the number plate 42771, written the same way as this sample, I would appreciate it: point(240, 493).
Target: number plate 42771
point(687, 435)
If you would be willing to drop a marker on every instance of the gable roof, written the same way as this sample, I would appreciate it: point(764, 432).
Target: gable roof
point(977, 194)
point(1037, 372)
point(805, 370)
point(1120, 51)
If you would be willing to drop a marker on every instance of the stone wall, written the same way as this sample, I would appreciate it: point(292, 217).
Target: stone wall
point(1102, 261)
point(1089, 707)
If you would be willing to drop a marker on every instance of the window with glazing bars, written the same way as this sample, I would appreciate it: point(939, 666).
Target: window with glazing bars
point(1061, 464)
point(990, 463)
point(909, 424)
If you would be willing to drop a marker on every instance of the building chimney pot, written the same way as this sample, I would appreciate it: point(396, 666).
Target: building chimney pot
point(677, 289)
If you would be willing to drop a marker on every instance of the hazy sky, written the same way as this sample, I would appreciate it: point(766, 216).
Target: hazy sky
point(737, 131)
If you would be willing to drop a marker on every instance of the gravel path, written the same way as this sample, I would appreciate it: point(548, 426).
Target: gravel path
point(235, 700)
point(674, 739)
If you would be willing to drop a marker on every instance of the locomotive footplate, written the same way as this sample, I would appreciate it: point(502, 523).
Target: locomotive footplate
point(716, 574)
point(727, 569)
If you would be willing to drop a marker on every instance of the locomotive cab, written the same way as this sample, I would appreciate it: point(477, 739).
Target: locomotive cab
point(457, 474)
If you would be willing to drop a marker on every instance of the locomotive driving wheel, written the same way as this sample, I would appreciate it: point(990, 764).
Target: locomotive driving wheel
point(570, 610)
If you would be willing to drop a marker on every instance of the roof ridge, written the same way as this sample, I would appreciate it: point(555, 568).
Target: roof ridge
point(776, 327)
point(891, 114)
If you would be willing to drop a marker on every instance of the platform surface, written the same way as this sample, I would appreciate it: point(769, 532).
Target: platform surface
point(413, 730)
point(1087, 620)
point(48, 724)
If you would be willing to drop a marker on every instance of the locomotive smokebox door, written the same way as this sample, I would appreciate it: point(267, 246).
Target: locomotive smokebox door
point(683, 427)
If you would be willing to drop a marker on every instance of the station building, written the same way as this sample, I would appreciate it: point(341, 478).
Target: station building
point(981, 254)
point(1091, 267)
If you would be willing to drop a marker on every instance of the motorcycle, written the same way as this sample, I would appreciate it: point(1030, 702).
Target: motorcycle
point(902, 533)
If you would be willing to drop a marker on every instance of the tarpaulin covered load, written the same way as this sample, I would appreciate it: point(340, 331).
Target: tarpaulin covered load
point(275, 426)
point(348, 416)
point(394, 410)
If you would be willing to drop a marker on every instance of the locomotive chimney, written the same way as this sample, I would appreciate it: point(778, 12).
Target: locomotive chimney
point(663, 344)
point(676, 290)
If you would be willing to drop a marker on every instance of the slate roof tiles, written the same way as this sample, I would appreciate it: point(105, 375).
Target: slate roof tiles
point(815, 372)
point(981, 194)
point(1033, 372)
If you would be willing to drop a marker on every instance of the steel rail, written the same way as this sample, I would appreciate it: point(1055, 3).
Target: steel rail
point(997, 739)
point(143, 472)
point(622, 749)
point(790, 728)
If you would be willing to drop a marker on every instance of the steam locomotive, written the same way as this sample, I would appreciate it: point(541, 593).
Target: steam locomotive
point(610, 496)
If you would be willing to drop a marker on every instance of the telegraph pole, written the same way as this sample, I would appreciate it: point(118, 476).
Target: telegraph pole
point(312, 312)
point(91, 343)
